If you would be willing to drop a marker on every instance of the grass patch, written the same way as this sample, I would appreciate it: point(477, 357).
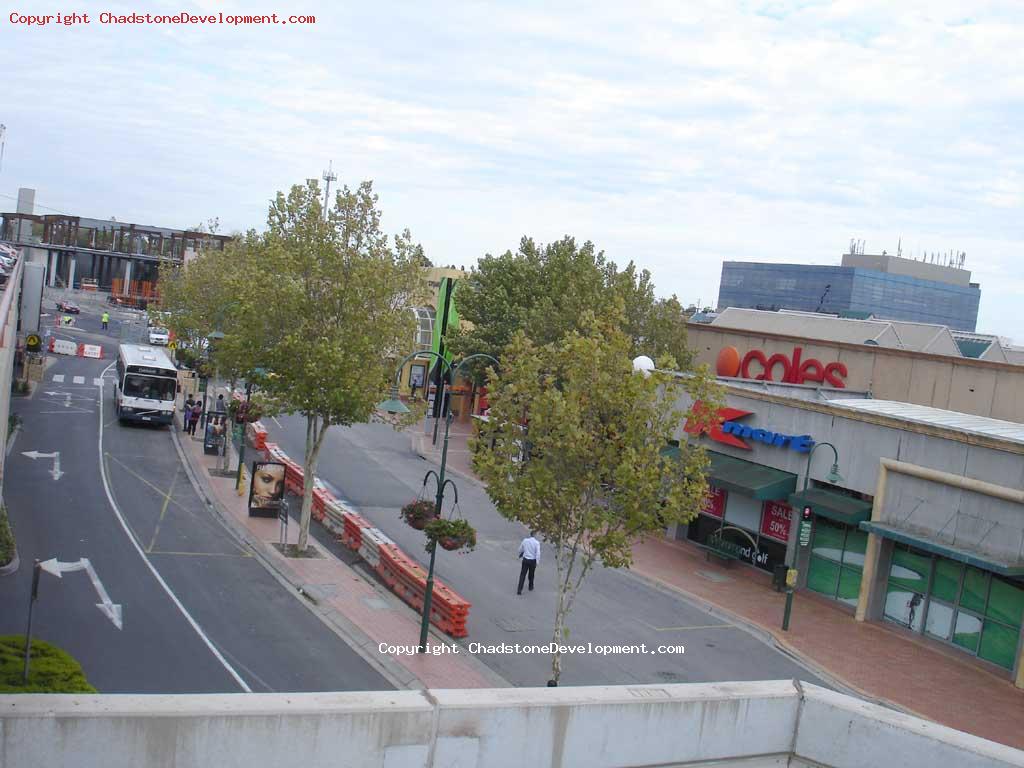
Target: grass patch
point(6, 538)
point(51, 670)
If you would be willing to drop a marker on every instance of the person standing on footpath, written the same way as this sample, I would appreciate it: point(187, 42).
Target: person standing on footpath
point(197, 414)
point(529, 552)
point(105, 319)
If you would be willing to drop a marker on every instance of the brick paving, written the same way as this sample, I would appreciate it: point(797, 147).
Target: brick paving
point(343, 595)
point(878, 661)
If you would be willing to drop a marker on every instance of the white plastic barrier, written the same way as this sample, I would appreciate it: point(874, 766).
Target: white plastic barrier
point(63, 347)
point(91, 350)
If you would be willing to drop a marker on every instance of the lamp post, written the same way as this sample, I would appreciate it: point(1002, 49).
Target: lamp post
point(833, 477)
point(395, 405)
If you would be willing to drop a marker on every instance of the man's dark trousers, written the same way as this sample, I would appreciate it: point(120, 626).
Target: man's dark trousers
point(529, 566)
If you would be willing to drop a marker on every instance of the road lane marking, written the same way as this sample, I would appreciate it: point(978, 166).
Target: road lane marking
point(58, 378)
point(78, 380)
point(97, 382)
point(694, 626)
point(200, 554)
point(163, 510)
point(163, 495)
point(152, 569)
point(274, 419)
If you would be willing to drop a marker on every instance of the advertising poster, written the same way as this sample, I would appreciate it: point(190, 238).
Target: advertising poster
point(216, 433)
point(266, 488)
point(714, 502)
point(776, 520)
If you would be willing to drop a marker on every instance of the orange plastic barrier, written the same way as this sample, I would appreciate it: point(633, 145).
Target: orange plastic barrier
point(449, 611)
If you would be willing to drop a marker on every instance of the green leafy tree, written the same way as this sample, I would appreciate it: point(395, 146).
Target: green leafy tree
point(322, 306)
point(545, 291)
point(596, 475)
point(314, 310)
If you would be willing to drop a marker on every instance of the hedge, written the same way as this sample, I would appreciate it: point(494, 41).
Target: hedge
point(50, 671)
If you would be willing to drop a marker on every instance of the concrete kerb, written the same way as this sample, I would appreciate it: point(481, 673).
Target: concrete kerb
point(769, 638)
point(347, 630)
point(764, 634)
point(419, 447)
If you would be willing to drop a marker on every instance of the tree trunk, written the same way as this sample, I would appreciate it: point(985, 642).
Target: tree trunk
point(315, 432)
point(560, 613)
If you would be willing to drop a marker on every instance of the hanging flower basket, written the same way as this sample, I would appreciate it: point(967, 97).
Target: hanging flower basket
point(418, 513)
point(452, 535)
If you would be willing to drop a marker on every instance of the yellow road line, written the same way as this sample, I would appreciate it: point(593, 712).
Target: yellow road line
point(201, 554)
point(695, 626)
point(137, 476)
point(163, 511)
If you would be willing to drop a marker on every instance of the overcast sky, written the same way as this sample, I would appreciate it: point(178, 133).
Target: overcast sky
point(676, 134)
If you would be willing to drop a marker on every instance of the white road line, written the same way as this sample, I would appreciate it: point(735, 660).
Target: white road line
point(58, 378)
point(78, 380)
point(97, 382)
point(156, 574)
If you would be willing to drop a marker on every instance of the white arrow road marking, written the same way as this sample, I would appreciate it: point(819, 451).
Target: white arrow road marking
point(55, 472)
point(67, 401)
point(149, 564)
point(78, 380)
point(107, 607)
point(58, 378)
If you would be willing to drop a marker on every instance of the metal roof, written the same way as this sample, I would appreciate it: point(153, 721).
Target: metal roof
point(923, 414)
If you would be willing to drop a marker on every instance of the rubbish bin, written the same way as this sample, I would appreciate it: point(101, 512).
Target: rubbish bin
point(779, 577)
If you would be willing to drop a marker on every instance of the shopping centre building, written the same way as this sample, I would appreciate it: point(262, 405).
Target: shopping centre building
point(916, 513)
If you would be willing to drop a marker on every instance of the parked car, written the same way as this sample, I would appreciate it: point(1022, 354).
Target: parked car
point(69, 307)
point(159, 336)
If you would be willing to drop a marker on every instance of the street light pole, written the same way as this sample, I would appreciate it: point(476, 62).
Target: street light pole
point(395, 405)
point(241, 443)
point(428, 595)
point(834, 477)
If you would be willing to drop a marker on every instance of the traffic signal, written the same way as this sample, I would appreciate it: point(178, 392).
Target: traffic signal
point(807, 513)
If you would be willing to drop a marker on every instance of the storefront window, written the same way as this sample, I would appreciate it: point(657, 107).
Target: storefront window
point(968, 631)
point(837, 560)
point(977, 611)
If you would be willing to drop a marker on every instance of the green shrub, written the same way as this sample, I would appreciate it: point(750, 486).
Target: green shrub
point(6, 538)
point(51, 670)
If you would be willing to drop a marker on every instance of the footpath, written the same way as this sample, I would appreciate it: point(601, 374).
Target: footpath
point(879, 662)
point(353, 604)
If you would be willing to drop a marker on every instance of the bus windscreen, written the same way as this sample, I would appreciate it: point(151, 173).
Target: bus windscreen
point(149, 387)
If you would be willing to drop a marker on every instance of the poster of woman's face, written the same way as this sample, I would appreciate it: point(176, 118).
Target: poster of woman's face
point(267, 486)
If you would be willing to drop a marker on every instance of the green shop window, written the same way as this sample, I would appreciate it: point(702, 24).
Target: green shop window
point(837, 560)
point(978, 611)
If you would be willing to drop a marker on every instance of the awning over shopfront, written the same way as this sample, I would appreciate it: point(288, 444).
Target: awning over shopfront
point(922, 541)
point(761, 482)
point(834, 506)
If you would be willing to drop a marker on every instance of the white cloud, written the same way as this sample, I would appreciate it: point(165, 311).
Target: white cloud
point(674, 134)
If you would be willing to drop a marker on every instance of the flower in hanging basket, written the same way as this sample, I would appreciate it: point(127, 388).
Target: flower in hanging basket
point(451, 534)
point(418, 513)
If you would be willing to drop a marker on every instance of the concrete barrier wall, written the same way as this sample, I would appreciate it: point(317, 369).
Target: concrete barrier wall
point(753, 725)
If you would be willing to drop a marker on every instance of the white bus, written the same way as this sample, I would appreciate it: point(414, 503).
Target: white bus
point(147, 382)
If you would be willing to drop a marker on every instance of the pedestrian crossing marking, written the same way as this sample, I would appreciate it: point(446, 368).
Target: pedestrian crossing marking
point(78, 380)
point(58, 378)
point(98, 381)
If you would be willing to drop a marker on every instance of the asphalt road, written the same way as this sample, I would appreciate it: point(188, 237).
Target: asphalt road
point(373, 468)
point(243, 628)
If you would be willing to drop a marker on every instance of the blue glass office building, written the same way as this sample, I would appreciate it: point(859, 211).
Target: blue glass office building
point(852, 291)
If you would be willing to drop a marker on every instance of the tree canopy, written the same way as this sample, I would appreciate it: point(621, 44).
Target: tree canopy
point(545, 291)
point(579, 450)
point(315, 309)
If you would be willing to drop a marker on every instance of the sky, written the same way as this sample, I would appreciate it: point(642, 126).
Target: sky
point(673, 134)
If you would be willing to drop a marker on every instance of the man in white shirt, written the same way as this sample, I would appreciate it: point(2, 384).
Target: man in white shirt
point(529, 551)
